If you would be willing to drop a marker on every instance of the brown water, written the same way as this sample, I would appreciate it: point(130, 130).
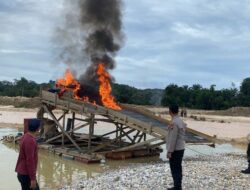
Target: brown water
point(54, 171)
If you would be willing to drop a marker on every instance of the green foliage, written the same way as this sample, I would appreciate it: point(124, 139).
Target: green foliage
point(244, 96)
point(201, 98)
point(131, 95)
point(192, 97)
point(21, 87)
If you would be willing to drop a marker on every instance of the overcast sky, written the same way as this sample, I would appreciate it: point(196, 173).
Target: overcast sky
point(167, 41)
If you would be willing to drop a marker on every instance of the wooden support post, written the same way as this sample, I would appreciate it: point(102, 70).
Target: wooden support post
point(62, 116)
point(73, 120)
point(141, 136)
point(75, 129)
point(63, 126)
point(91, 130)
point(110, 142)
point(73, 123)
point(123, 132)
point(135, 137)
point(137, 145)
point(115, 131)
point(120, 135)
point(60, 126)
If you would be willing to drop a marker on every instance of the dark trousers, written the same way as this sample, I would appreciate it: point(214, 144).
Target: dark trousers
point(248, 154)
point(176, 168)
point(25, 182)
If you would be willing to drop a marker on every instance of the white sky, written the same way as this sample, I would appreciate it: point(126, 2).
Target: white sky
point(167, 41)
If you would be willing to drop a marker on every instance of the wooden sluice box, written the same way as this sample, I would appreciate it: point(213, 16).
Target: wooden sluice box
point(136, 132)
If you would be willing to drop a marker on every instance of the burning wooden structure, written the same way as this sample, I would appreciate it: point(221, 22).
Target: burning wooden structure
point(137, 132)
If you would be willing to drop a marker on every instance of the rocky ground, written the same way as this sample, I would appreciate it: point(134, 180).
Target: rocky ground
point(203, 172)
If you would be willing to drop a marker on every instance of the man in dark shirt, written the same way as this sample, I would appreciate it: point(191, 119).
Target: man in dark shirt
point(28, 157)
point(247, 171)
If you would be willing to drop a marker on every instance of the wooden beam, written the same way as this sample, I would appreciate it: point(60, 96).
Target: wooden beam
point(110, 142)
point(135, 137)
point(73, 120)
point(115, 131)
point(85, 120)
point(136, 145)
point(141, 136)
point(105, 120)
point(75, 129)
point(62, 115)
point(205, 136)
point(123, 132)
point(91, 129)
point(61, 127)
point(158, 144)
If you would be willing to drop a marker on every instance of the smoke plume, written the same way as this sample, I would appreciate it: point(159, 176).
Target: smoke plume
point(92, 34)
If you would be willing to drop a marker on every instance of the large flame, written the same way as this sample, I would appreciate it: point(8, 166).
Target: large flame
point(69, 82)
point(105, 88)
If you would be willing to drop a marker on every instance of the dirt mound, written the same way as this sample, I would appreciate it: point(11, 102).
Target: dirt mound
point(234, 111)
point(20, 102)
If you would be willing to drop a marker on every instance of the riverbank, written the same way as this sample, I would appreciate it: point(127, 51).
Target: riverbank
point(233, 129)
point(220, 171)
point(215, 172)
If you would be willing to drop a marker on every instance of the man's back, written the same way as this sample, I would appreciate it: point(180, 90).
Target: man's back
point(27, 159)
point(176, 135)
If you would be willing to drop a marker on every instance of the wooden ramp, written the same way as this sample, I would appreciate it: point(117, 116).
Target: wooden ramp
point(142, 130)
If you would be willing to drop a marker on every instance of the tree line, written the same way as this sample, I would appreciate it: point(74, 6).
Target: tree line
point(195, 96)
point(198, 97)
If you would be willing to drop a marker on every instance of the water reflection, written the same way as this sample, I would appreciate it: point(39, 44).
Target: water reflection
point(54, 171)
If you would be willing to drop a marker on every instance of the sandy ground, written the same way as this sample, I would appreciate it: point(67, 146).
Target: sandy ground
point(224, 127)
point(221, 130)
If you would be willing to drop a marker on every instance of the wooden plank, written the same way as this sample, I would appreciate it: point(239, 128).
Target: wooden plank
point(61, 127)
point(155, 132)
point(136, 145)
point(205, 136)
point(146, 112)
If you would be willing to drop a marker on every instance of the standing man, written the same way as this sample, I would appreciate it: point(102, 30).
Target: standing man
point(176, 146)
point(28, 157)
point(247, 171)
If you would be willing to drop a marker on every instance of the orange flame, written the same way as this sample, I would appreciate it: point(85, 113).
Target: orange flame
point(105, 88)
point(69, 82)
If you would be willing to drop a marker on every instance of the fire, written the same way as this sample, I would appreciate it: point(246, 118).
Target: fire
point(105, 88)
point(69, 82)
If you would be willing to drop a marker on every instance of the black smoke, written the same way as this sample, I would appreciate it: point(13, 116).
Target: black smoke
point(92, 34)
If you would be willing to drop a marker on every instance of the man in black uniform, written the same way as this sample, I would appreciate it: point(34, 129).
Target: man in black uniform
point(247, 171)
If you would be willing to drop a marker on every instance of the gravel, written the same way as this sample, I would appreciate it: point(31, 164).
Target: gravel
point(201, 172)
